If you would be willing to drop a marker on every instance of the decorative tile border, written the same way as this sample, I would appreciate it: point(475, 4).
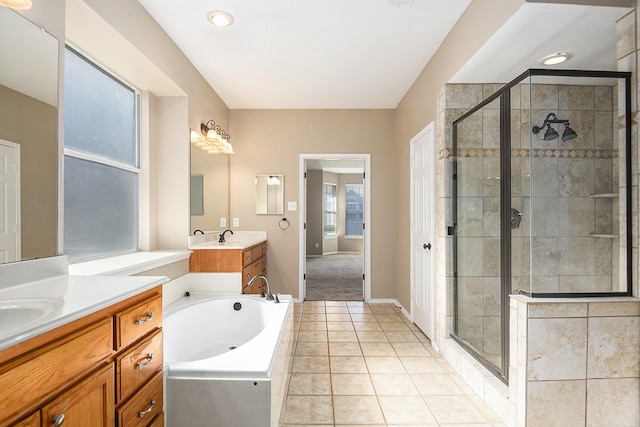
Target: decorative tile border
point(482, 153)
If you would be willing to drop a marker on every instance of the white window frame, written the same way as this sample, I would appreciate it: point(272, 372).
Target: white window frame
point(325, 234)
point(109, 162)
point(352, 236)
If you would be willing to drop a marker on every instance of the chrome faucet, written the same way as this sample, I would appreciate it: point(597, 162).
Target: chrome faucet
point(221, 239)
point(269, 295)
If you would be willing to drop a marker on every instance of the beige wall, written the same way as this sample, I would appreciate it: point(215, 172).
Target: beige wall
point(272, 141)
point(418, 108)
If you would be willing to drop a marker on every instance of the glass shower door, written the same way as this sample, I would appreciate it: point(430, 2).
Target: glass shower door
point(476, 200)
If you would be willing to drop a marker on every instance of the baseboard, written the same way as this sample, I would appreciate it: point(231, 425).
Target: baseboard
point(383, 301)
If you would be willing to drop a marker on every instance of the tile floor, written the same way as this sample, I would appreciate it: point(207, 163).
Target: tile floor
point(366, 364)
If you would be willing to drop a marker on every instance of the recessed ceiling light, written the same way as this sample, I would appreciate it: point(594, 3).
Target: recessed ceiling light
point(555, 58)
point(220, 18)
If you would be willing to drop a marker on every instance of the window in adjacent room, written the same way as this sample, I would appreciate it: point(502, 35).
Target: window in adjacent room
point(101, 161)
point(354, 208)
point(330, 210)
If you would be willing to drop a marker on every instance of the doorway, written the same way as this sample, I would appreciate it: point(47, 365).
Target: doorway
point(334, 239)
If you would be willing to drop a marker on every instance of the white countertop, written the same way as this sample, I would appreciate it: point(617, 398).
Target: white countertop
point(63, 299)
point(238, 240)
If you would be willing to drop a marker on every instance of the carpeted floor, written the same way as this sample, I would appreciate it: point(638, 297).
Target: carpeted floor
point(336, 277)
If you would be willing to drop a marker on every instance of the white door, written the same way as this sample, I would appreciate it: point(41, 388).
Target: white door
point(9, 202)
point(423, 239)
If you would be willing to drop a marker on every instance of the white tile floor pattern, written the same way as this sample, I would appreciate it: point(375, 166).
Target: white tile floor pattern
point(366, 364)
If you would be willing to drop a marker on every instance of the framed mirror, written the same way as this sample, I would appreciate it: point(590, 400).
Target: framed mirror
point(269, 194)
point(29, 129)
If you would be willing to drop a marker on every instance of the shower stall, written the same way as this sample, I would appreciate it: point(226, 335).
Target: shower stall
point(540, 190)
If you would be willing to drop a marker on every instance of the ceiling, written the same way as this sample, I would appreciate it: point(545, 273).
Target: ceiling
point(303, 54)
point(539, 29)
point(300, 54)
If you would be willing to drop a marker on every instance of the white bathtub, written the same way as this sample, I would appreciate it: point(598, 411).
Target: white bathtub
point(226, 366)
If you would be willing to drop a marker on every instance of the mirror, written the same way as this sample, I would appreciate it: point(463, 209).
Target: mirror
point(269, 193)
point(29, 134)
point(212, 188)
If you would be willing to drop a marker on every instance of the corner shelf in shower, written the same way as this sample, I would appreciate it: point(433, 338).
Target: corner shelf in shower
point(604, 196)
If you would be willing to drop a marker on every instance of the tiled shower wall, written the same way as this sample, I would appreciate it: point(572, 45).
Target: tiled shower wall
point(568, 233)
point(569, 237)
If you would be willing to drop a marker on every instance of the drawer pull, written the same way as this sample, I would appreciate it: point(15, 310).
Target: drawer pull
point(58, 421)
point(142, 320)
point(141, 414)
point(148, 361)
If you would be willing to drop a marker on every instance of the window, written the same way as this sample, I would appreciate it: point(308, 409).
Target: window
point(101, 161)
point(354, 210)
point(330, 212)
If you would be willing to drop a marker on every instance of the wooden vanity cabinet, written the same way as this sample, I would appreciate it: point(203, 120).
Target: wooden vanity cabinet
point(88, 372)
point(250, 262)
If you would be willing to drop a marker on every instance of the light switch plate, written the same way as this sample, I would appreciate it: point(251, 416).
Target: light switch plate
point(236, 222)
point(292, 206)
point(223, 222)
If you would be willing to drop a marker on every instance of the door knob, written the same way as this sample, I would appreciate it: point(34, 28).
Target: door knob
point(426, 246)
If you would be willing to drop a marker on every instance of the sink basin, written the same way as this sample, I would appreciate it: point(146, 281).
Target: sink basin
point(19, 313)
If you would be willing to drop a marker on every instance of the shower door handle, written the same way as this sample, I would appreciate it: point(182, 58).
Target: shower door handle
point(426, 246)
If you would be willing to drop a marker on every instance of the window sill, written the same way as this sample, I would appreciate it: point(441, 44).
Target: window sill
point(127, 265)
point(353, 237)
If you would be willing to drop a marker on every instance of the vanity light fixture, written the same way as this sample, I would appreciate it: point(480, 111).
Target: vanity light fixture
point(16, 4)
point(555, 58)
point(220, 18)
point(213, 139)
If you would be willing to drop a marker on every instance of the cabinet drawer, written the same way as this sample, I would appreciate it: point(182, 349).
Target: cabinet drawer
point(42, 372)
point(257, 251)
point(136, 365)
point(247, 257)
point(135, 322)
point(90, 403)
point(144, 406)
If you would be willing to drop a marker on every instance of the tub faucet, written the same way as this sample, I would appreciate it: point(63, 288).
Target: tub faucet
point(221, 239)
point(269, 295)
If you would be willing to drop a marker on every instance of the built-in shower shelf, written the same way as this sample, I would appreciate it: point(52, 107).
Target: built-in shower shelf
point(604, 236)
point(605, 196)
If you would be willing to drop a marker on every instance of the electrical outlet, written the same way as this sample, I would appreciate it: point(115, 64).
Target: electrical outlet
point(223, 222)
point(317, 245)
point(236, 222)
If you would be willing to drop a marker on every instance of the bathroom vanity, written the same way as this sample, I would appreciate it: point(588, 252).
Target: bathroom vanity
point(243, 252)
point(87, 351)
